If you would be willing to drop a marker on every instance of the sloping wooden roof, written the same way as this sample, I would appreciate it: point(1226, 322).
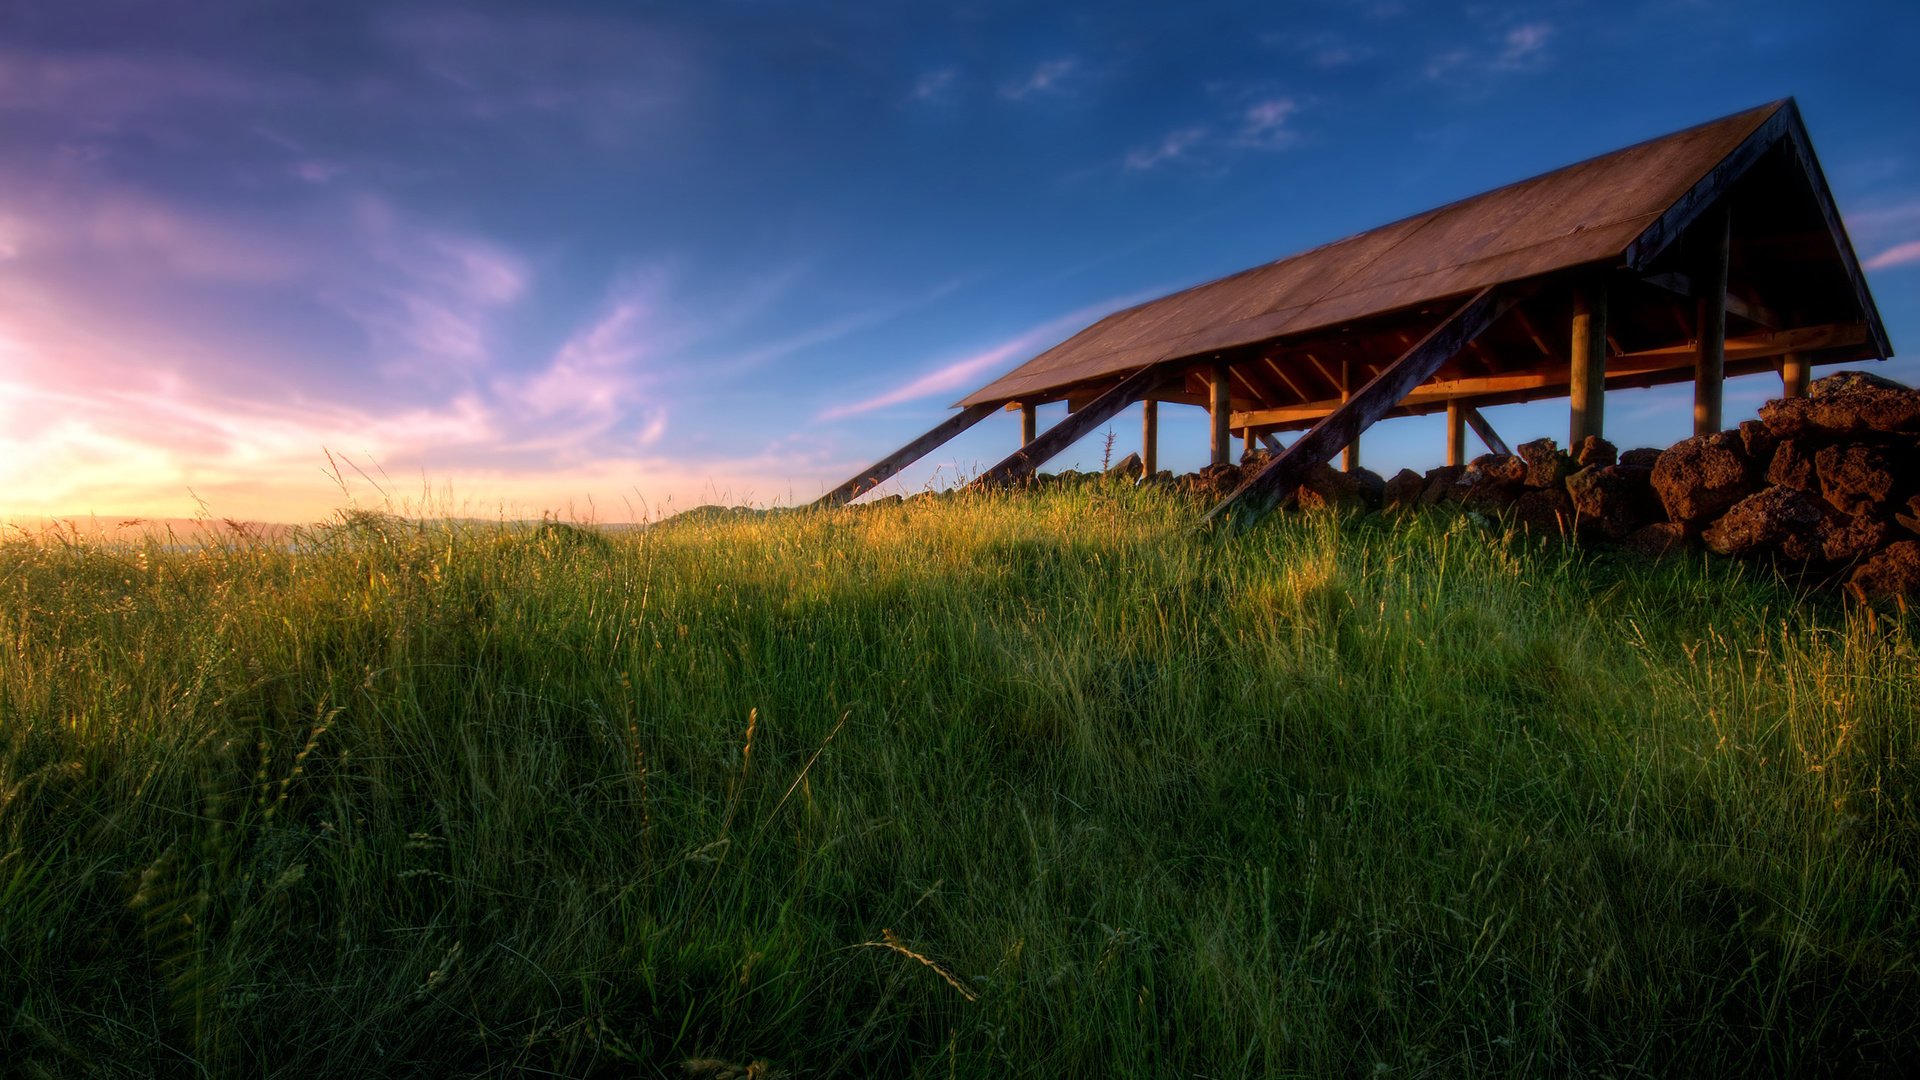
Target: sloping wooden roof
point(1619, 208)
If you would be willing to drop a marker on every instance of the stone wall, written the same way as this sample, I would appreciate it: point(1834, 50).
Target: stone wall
point(1824, 488)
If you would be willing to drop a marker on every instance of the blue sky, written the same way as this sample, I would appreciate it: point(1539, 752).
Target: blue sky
point(612, 259)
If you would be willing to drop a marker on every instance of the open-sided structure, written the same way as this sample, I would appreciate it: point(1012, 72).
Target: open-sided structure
point(1707, 253)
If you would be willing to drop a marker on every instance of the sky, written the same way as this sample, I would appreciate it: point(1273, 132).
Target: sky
point(265, 260)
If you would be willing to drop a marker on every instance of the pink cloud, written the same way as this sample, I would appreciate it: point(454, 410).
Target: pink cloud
point(970, 371)
point(1897, 255)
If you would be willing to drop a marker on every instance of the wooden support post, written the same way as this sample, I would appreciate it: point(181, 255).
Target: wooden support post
point(1283, 474)
point(1149, 437)
point(1495, 444)
point(1022, 462)
point(1587, 387)
point(1350, 457)
point(1218, 408)
point(1710, 323)
point(1248, 442)
point(1272, 442)
point(1793, 375)
point(1456, 433)
point(1028, 422)
point(879, 471)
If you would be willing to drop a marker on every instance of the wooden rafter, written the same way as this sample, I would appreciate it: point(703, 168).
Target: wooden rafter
point(877, 473)
point(1339, 428)
point(1022, 462)
point(1675, 358)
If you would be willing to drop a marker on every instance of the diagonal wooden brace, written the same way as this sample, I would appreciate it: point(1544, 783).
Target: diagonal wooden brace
point(877, 473)
point(1495, 444)
point(1334, 433)
point(1022, 462)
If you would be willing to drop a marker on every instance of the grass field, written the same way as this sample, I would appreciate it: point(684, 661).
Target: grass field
point(1035, 786)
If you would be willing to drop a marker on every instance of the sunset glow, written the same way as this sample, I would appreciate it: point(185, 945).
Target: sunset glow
point(607, 262)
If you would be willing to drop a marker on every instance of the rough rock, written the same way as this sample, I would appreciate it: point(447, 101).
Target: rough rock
point(1403, 491)
point(1546, 511)
point(1910, 520)
point(1498, 469)
point(1126, 468)
point(1699, 479)
point(1547, 467)
point(1212, 482)
point(1786, 418)
point(1327, 488)
point(1854, 478)
point(1757, 441)
point(1846, 403)
point(1645, 457)
point(1894, 571)
point(1372, 487)
point(1443, 485)
point(1493, 481)
point(1762, 520)
point(1792, 465)
point(1596, 451)
point(1656, 540)
point(1846, 538)
point(1612, 500)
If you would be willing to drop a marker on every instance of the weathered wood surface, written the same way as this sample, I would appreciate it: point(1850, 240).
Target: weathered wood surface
point(1584, 214)
point(1456, 432)
point(1494, 443)
point(1545, 380)
point(1350, 456)
point(1800, 144)
point(877, 473)
point(1793, 375)
point(1285, 472)
point(1028, 421)
point(1022, 462)
point(1219, 405)
point(1710, 320)
point(1587, 379)
point(1149, 437)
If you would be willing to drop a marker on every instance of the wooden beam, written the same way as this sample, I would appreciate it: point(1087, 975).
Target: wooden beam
point(1710, 322)
point(1800, 145)
point(1554, 377)
point(1149, 437)
point(1029, 421)
point(1753, 311)
point(1588, 368)
point(1285, 379)
point(1793, 375)
point(1456, 433)
point(1680, 216)
point(1219, 406)
point(1284, 473)
point(1022, 462)
point(1350, 457)
point(1272, 441)
point(1494, 443)
point(877, 473)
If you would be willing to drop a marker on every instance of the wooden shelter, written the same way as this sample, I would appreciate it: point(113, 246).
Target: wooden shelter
point(1710, 252)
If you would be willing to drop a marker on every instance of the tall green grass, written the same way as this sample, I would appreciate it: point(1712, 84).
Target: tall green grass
point(1034, 786)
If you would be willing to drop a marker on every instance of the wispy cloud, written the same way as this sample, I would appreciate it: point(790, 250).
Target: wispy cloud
point(935, 85)
point(1262, 125)
point(1520, 48)
point(1176, 145)
point(1048, 77)
point(968, 371)
point(1897, 255)
point(1524, 47)
point(434, 304)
